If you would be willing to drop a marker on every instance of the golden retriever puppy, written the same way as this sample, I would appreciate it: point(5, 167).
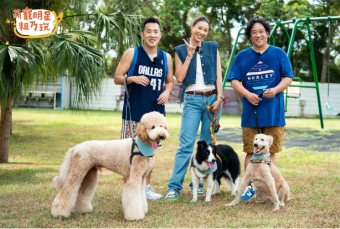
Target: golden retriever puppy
point(268, 182)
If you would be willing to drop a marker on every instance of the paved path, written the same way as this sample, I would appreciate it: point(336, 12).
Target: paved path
point(324, 141)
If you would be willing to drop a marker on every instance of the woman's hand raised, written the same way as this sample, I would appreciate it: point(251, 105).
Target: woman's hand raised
point(190, 48)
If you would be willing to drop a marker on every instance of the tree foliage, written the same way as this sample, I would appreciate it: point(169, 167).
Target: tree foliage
point(73, 51)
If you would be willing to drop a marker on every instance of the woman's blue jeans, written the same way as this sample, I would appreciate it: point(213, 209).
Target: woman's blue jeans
point(194, 113)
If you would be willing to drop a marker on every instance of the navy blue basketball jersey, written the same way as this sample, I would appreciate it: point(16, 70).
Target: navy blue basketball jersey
point(144, 99)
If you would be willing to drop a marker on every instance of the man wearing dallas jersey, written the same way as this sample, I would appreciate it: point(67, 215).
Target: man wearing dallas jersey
point(147, 68)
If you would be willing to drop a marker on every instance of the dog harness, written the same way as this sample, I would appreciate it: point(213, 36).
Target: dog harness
point(208, 171)
point(144, 149)
point(259, 159)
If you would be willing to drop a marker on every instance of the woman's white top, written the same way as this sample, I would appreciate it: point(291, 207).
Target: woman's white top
point(199, 85)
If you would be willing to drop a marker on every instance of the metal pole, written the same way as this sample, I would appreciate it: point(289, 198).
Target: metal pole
point(290, 46)
point(315, 74)
point(231, 57)
point(271, 36)
point(286, 32)
point(289, 52)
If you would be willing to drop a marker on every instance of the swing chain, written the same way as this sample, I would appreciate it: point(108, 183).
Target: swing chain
point(329, 54)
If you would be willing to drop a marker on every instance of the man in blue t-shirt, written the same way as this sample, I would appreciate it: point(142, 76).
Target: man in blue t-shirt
point(147, 68)
point(267, 69)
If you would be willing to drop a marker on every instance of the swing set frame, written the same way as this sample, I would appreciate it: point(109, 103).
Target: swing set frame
point(302, 23)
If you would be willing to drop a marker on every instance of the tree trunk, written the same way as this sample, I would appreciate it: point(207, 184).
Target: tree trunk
point(229, 39)
point(228, 33)
point(325, 58)
point(120, 53)
point(187, 28)
point(5, 128)
point(325, 65)
point(12, 100)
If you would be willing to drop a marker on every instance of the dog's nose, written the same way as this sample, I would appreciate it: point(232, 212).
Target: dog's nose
point(256, 145)
point(161, 136)
point(213, 161)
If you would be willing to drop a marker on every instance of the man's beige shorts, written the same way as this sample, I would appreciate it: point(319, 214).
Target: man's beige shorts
point(248, 134)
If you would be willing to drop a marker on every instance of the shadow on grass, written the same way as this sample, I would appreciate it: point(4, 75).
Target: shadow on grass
point(33, 175)
point(22, 163)
point(30, 138)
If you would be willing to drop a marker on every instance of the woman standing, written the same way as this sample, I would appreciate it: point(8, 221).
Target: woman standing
point(198, 67)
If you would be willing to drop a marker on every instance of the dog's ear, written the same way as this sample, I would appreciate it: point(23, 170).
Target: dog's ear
point(141, 132)
point(199, 158)
point(167, 129)
point(270, 140)
point(214, 148)
point(201, 144)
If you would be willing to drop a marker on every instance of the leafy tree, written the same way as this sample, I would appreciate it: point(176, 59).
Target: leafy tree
point(23, 62)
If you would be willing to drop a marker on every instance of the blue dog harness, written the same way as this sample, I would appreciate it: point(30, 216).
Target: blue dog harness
point(208, 171)
point(259, 159)
point(144, 149)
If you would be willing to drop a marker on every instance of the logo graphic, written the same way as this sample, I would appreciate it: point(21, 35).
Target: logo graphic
point(35, 23)
point(260, 77)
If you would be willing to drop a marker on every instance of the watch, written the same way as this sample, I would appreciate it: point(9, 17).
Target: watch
point(222, 96)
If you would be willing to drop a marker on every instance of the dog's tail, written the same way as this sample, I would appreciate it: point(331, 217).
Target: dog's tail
point(59, 181)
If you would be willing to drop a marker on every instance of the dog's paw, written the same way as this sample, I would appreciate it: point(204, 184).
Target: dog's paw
point(214, 193)
point(276, 206)
point(282, 204)
point(233, 193)
point(193, 201)
point(133, 218)
point(259, 201)
point(57, 212)
point(230, 204)
point(207, 199)
point(133, 213)
point(276, 209)
point(145, 208)
point(82, 208)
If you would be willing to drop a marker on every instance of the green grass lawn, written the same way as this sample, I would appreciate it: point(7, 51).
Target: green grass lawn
point(41, 138)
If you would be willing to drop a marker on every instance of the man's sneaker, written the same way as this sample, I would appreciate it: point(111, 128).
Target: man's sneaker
point(172, 196)
point(151, 194)
point(200, 192)
point(248, 193)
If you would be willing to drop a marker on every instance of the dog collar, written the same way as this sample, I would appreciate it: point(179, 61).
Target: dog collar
point(219, 158)
point(262, 161)
point(145, 149)
point(254, 157)
point(208, 171)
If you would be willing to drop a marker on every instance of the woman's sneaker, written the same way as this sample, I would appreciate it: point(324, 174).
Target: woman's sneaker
point(151, 194)
point(172, 195)
point(248, 193)
point(200, 192)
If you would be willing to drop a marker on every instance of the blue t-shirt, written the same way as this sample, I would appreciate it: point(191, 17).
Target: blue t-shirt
point(262, 72)
point(144, 99)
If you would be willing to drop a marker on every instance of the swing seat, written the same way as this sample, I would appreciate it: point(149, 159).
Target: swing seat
point(330, 109)
point(294, 92)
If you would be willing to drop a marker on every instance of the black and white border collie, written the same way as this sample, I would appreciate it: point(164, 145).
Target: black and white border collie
point(204, 159)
